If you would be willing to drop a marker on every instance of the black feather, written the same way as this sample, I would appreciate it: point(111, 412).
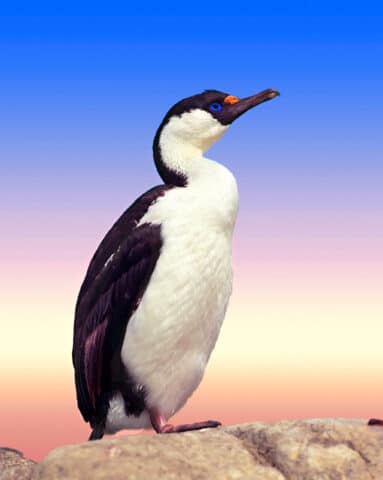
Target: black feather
point(113, 286)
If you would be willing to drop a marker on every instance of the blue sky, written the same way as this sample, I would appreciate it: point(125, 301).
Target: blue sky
point(82, 93)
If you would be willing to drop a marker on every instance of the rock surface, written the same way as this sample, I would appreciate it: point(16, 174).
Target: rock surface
point(288, 450)
point(13, 466)
point(316, 449)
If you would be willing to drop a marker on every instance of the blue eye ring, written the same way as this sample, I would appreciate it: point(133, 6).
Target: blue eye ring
point(215, 107)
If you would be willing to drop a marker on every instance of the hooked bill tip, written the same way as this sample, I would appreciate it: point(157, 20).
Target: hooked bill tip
point(274, 93)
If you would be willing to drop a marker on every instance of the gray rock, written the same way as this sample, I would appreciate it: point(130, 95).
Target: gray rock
point(13, 465)
point(192, 455)
point(317, 449)
point(288, 450)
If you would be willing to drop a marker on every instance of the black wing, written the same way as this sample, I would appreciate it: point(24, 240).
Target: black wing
point(114, 284)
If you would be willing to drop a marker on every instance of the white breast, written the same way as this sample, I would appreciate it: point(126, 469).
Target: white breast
point(170, 337)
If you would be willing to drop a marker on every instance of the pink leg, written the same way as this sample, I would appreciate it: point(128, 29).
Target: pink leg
point(160, 425)
point(375, 421)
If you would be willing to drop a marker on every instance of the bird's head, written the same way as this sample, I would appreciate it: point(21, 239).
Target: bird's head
point(197, 122)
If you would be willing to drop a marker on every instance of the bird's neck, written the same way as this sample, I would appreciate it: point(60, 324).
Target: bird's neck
point(180, 143)
point(211, 186)
point(177, 160)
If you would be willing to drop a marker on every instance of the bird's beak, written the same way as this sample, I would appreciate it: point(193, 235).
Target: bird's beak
point(236, 108)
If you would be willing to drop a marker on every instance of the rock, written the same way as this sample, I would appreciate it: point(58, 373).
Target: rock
point(317, 449)
point(13, 465)
point(192, 455)
point(288, 450)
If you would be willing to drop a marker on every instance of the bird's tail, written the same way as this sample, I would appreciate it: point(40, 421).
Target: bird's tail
point(97, 432)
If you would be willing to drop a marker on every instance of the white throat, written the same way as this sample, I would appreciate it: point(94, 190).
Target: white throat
point(184, 139)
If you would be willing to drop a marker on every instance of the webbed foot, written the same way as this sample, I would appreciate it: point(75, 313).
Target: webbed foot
point(161, 426)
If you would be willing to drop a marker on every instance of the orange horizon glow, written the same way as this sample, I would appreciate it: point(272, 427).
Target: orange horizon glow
point(40, 413)
point(300, 340)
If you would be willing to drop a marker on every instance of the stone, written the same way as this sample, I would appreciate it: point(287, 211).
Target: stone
point(197, 455)
point(322, 449)
point(13, 465)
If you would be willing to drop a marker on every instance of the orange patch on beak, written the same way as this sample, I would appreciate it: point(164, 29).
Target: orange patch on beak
point(231, 99)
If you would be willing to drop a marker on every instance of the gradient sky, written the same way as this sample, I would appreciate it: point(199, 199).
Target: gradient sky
point(81, 98)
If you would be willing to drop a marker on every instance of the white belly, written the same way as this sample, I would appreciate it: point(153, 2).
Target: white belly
point(172, 333)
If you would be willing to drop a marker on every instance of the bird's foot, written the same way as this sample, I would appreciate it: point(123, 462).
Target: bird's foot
point(168, 428)
point(375, 421)
point(160, 426)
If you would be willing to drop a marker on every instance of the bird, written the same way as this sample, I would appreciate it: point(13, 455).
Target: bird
point(154, 296)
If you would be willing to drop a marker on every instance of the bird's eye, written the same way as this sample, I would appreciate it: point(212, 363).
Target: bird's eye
point(215, 107)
